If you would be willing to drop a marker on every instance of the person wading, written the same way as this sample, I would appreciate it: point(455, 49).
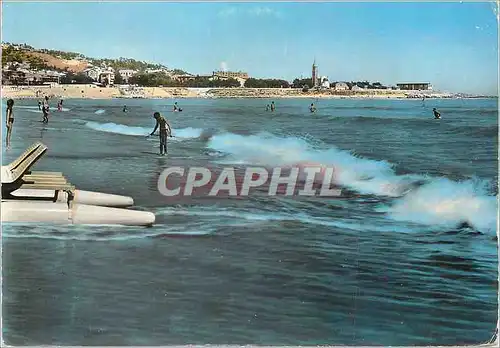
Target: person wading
point(45, 110)
point(9, 116)
point(165, 131)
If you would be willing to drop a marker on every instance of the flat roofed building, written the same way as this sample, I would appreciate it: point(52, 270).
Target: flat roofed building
point(107, 78)
point(341, 86)
point(230, 74)
point(414, 86)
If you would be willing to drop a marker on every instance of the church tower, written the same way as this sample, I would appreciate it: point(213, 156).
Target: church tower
point(314, 76)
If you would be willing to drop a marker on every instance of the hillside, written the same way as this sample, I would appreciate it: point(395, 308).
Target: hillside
point(70, 61)
point(72, 65)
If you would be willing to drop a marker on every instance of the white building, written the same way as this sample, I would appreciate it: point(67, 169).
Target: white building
point(107, 77)
point(127, 73)
point(93, 73)
point(154, 71)
point(324, 83)
point(356, 88)
point(341, 86)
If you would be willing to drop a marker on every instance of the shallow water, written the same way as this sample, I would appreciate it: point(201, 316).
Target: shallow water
point(390, 263)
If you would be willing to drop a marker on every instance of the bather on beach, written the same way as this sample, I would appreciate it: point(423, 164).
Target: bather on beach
point(165, 130)
point(9, 116)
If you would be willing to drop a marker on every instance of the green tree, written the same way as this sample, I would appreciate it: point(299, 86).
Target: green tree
point(178, 72)
point(300, 83)
point(11, 55)
point(266, 83)
point(72, 78)
point(118, 78)
point(153, 80)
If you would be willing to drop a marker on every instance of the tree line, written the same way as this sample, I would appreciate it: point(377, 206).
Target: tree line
point(266, 83)
point(160, 79)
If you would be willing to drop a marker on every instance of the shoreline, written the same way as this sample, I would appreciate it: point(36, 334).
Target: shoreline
point(125, 92)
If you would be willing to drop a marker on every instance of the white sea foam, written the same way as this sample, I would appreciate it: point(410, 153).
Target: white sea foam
point(420, 199)
point(179, 134)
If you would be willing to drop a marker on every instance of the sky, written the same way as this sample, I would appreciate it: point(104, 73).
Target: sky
point(454, 46)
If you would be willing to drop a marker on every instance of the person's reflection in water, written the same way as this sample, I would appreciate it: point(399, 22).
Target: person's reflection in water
point(161, 166)
point(42, 130)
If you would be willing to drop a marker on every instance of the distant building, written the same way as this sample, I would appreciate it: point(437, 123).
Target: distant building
point(93, 73)
point(184, 77)
point(239, 76)
point(324, 82)
point(341, 86)
point(126, 74)
point(221, 75)
point(156, 71)
point(356, 88)
point(28, 77)
point(107, 78)
point(414, 86)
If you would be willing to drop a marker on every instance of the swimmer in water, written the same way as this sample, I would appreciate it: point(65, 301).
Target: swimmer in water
point(9, 116)
point(267, 107)
point(176, 108)
point(165, 130)
point(312, 108)
point(124, 108)
point(437, 115)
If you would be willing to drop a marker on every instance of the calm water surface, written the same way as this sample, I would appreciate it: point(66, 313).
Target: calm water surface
point(390, 263)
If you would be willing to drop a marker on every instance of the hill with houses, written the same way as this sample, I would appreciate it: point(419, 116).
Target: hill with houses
point(24, 64)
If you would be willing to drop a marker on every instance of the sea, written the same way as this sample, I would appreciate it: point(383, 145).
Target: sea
point(407, 255)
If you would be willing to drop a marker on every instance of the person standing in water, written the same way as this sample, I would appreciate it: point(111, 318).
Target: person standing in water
point(59, 105)
point(9, 116)
point(312, 108)
point(267, 107)
point(124, 108)
point(39, 105)
point(273, 107)
point(165, 130)
point(45, 110)
point(437, 115)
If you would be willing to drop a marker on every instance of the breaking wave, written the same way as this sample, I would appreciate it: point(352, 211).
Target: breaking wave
point(181, 133)
point(418, 198)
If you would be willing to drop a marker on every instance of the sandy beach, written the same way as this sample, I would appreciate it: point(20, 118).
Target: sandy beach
point(96, 92)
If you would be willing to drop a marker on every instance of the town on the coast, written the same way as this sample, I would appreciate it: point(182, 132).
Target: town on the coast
point(28, 72)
